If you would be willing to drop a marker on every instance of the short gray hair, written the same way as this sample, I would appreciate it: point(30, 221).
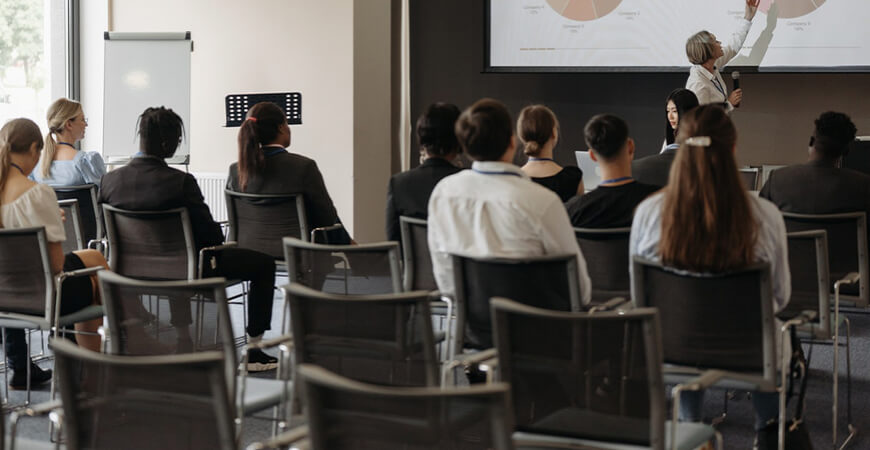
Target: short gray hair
point(699, 47)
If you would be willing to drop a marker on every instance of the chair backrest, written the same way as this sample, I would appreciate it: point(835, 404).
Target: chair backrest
point(593, 376)
point(383, 339)
point(810, 282)
point(345, 414)
point(712, 321)
point(608, 248)
point(749, 175)
point(151, 245)
point(168, 317)
point(548, 282)
point(92, 218)
point(72, 226)
point(415, 254)
point(344, 269)
point(260, 221)
point(847, 247)
point(26, 282)
point(176, 402)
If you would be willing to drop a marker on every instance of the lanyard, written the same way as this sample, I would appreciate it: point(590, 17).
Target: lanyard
point(615, 180)
point(19, 168)
point(540, 159)
point(486, 172)
point(65, 143)
point(269, 151)
point(719, 87)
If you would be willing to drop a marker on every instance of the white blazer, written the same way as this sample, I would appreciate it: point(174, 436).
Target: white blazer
point(710, 87)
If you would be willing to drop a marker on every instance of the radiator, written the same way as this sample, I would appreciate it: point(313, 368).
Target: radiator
point(212, 186)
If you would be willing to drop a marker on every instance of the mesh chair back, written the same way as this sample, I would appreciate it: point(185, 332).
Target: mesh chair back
point(808, 263)
point(722, 321)
point(415, 253)
point(344, 414)
point(594, 376)
point(847, 247)
point(749, 176)
point(25, 272)
point(151, 245)
point(381, 339)
point(608, 248)
point(260, 221)
point(344, 269)
point(167, 317)
point(548, 282)
point(86, 195)
point(166, 402)
point(71, 226)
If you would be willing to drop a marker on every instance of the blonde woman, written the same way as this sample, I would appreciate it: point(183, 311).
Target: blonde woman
point(708, 56)
point(24, 204)
point(62, 164)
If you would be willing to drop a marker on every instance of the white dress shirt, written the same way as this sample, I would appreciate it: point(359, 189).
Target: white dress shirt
point(495, 210)
point(710, 87)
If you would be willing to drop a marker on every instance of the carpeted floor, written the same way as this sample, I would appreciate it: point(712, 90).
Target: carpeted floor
point(737, 429)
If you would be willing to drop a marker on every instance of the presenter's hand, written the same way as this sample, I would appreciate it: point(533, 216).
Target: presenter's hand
point(751, 9)
point(736, 97)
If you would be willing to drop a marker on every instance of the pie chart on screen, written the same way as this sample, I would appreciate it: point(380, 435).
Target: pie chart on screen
point(789, 9)
point(585, 10)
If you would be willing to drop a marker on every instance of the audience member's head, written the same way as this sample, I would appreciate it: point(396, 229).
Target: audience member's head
point(265, 125)
point(707, 224)
point(21, 138)
point(702, 47)
point(536, 126)
point(832, 136)
point(485, 132)
point(436, 131)
point(65, 117)
point(160, 132)
point(678, 103)
point(607, 138)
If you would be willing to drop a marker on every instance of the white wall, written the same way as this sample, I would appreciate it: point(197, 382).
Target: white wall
point(267, 46)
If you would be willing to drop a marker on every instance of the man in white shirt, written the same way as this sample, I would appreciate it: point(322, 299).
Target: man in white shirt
point(494, 209)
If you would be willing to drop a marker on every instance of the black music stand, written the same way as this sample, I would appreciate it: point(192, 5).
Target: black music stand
point(237, 106)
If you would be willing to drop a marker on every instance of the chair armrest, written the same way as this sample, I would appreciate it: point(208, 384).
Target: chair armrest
point(52, 409)
point(486, 359)
point(608, 305)
point(296, 438)
point(336, 226)
point(214, 248)
point(269, 343)
point(97, 244)
point(87, 271)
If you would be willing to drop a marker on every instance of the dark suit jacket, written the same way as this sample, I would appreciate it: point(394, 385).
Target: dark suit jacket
point(289, 173)
point(814, 188)
point(148, 184)
point(408, 192)
point(654, 169)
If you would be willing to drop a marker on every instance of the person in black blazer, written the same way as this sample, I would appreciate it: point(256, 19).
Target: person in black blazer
point(819, 186)
point(147, 183)
point(266, 167)
point(408, 192)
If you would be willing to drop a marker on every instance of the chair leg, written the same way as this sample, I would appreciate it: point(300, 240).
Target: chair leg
point(852, 430)
point(5, 372)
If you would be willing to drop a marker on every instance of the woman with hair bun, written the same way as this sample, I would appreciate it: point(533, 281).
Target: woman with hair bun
point(538, 129)
point(62, 164)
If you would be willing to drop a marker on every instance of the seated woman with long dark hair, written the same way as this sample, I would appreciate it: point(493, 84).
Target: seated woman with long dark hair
point(24, 204)
point(704, 221)
point(266, 167)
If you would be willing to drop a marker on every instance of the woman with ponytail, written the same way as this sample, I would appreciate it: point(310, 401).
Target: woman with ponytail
point(23, 204)
point(705, 221)
point(266, 167)
point(538, 129)
point(62, 164)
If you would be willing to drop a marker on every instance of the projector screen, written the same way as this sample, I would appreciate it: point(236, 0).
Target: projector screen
point(650, 35)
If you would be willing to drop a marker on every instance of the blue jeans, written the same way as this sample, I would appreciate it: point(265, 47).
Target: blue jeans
point(766, 407)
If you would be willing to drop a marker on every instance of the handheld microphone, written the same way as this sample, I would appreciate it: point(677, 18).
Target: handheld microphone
point(736, 77)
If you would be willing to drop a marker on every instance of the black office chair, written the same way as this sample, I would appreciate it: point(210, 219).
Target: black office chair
point(260, 221)
point(418, 274)
point(92, 217)
point(72, 226)
point(344, 269)
point(346, 414)
point(608, 249)
point(587, 380)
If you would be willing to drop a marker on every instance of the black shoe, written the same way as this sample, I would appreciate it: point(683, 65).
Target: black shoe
point(18, 382)
point(259, 361)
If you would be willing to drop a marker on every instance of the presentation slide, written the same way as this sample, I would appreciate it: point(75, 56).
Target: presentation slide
point(651, 34)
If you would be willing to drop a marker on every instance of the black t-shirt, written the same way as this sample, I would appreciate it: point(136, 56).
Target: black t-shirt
point(563, 183)
point(608, 206)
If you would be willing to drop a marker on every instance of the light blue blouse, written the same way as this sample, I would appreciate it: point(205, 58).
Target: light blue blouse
point(84, 168)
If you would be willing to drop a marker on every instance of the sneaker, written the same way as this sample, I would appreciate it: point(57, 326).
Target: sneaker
point(259, 361)
point(38, 376)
